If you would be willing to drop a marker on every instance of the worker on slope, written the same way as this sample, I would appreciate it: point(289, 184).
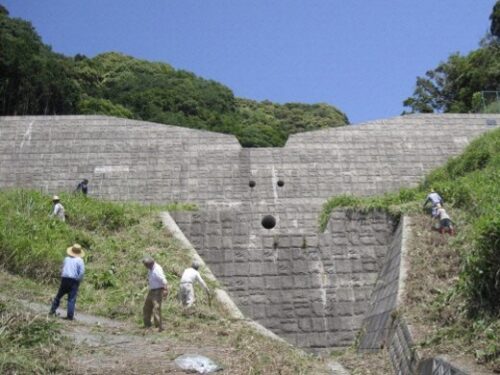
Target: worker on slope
point(189, 277)
point(158, 288)
point(435, 199)
point(445, 224)
point(58, 208)
point(82, 187)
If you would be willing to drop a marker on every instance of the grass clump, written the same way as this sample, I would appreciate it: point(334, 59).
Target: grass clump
point(393, 203)
point(28, 340)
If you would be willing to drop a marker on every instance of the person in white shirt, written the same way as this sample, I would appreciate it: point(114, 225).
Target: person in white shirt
point(58, 209)
point(158, 288)
point(189, 277)
point(445, 224)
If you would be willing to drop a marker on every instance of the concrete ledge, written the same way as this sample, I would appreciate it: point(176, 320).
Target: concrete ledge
point(220, 294)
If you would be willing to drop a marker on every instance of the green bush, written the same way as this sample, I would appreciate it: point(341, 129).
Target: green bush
point(481, 272)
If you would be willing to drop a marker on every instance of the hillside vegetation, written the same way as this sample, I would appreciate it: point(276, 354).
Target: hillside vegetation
point(468, 314)
point(115, 237)
point(36, 81)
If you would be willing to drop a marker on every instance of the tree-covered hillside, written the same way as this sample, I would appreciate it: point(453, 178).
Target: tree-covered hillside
point(36, 81)
point(463, 84)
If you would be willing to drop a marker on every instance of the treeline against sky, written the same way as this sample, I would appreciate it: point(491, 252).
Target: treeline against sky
point(34, 80)
point(463, 83)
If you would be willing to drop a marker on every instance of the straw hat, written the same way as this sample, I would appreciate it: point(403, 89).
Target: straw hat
point(55, 198)
point(75, 251)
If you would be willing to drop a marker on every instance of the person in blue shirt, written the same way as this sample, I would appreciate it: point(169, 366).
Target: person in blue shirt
point(435, 199)
point(72, 272)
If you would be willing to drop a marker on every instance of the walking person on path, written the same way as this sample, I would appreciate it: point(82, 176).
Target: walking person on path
point(189, 277)
point(72, 272)
point(158, 288)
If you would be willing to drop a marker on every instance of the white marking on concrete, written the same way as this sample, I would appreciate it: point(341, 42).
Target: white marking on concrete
point(111, 169)
point(274, 180)
point(406, 236)
point(27, 135)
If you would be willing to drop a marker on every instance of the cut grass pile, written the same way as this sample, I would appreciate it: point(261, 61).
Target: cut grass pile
point(28, 340)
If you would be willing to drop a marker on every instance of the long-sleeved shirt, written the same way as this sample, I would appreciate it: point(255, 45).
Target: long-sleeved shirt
point(59, 211)
point(190, 276)
point(156, 277)
point(434, 198)
point(73, 268)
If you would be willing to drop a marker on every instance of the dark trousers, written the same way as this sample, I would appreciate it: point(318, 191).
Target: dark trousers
point(70, 287)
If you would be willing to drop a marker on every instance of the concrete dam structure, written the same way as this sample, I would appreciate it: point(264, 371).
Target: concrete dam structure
point(310, 287)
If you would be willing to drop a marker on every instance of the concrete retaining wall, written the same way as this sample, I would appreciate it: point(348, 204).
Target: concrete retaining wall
point(146, 162)
point(384, 325)
point(311, 289)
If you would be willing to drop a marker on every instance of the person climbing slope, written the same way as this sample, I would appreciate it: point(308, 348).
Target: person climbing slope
point(58, 208)
point(435, 199)
point(445, 223)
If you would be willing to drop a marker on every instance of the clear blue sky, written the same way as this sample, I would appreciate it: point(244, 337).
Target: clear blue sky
point(362, 56)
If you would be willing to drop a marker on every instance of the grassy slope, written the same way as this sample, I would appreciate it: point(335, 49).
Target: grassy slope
point(115, 237)
point(454, 284)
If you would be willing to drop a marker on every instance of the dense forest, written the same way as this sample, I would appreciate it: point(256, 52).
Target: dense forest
point(34, 80)
point(463, 84)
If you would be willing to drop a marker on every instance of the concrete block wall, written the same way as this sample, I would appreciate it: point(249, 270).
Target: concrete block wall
point(378, 320)
point(147, 162)
point(310, 288)
point(384, 325)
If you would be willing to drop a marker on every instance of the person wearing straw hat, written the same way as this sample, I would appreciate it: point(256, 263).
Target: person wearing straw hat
point(72, 273)
point(189, 277)
point(158, 288)
point(58, 208)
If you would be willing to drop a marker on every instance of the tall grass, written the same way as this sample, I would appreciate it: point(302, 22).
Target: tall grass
point(30, 344)
point(115, 237)
point(469, 182)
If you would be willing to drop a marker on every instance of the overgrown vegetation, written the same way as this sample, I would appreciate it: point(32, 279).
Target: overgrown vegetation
point(27, 340)
point(115, 237)
point(470, 186)
point(34, 80)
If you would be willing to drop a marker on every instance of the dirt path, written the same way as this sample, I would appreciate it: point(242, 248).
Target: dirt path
point(110, 347)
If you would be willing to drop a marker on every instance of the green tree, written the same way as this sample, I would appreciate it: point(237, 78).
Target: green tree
point(33, 79)
point(451, 86)
point(454, 84)
point(495, 20)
